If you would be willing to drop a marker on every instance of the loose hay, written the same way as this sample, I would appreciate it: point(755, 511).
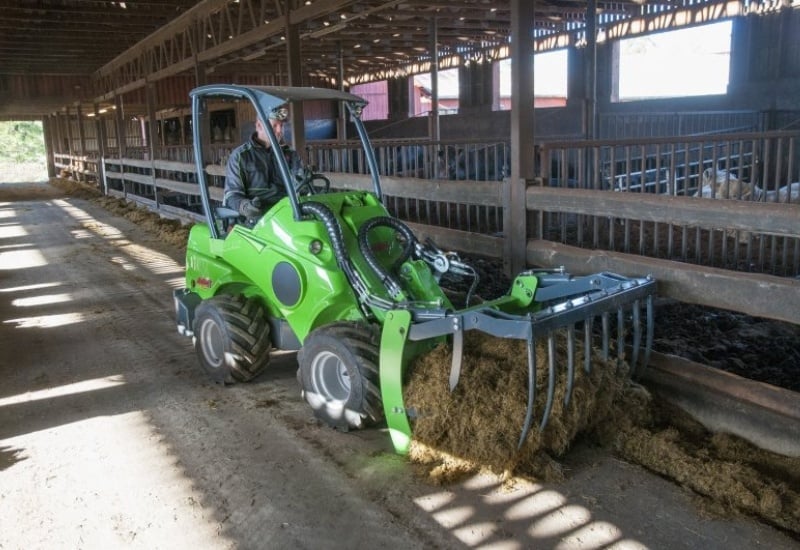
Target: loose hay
point(76, 188)
point(734, 475)
point(481, 420)
point(477, 428)
point(167, 230)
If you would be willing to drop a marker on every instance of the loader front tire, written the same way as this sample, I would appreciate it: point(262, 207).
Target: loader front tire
point(231, 338)
point(339, 374)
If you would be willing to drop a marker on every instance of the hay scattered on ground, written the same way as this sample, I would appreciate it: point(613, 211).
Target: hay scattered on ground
point(167, 230)
point(481, 421)
point(76, 189)
point(477, 428)
point(733, 475)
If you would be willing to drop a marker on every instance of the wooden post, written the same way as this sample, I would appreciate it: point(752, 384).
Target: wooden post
point(341, 130)
point(48, 126)
point(294, 69)
point(102, 146)
point(590, 75)
point(434, 133)
point(121, 146)
point(522, 129)
point(82, 141)
point(152, 134)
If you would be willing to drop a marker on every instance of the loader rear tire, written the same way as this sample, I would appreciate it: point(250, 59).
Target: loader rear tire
point(231, 337)
point(339, 375)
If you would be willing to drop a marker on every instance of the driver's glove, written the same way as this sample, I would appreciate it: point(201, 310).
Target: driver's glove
point(250, 208)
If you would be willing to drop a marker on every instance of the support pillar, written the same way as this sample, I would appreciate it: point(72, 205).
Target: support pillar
point(435, 131)
point(69, 135)
point(102, 148)
point(152, 134)
point(399, 98)
point(120, 126)
point(590, 67)
point(80, 164)
point(296, 79)
point(522, 142)
point(341, 122)
point(48, 127)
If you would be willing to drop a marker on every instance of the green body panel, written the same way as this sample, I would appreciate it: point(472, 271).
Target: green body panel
point(247, 258)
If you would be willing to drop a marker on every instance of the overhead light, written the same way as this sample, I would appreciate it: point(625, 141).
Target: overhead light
point(342, 16)
point(326, 23)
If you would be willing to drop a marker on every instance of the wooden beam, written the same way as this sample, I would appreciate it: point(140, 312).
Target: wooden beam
point(751, 293)
point(744, 215)
point(522, 134)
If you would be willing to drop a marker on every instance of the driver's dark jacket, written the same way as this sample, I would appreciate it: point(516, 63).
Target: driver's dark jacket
point(252, 171)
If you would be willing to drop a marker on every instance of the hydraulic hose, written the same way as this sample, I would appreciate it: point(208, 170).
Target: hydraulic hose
point(334, 230)
point(386, 277)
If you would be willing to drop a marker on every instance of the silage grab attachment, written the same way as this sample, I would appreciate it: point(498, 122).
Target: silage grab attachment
point(539, 304)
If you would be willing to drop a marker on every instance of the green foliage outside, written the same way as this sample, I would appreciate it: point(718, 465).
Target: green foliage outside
point(22, 152)
point(21, 142)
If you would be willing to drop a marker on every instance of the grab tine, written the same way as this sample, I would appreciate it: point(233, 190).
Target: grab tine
point(637, 335)
point(604, 318)
point(587, 344)
point(570, 363)
point(458, 356)
point(526, 427)
point(551, 380)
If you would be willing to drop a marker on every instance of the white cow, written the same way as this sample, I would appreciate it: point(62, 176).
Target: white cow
point(721, 184)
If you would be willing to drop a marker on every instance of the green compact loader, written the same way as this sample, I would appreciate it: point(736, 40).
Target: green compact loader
point(328, 271)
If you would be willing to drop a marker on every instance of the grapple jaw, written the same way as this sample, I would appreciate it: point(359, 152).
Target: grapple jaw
point(539, 304)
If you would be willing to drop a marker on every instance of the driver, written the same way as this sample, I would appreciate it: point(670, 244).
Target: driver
point(252, 178)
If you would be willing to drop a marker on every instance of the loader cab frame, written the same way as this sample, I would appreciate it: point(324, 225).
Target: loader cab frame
point(264, 100)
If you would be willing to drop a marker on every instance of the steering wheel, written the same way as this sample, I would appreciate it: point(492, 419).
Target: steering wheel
point(306, 181)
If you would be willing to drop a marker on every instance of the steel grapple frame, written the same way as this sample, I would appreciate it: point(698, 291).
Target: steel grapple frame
point(563, 302)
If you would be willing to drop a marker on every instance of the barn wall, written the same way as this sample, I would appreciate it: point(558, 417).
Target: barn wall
point(764, 81)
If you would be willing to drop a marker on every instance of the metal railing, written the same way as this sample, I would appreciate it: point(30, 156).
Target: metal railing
point(754, 168)
point(638, 205)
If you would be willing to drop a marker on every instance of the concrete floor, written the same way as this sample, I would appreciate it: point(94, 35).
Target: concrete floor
point(111, 436)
